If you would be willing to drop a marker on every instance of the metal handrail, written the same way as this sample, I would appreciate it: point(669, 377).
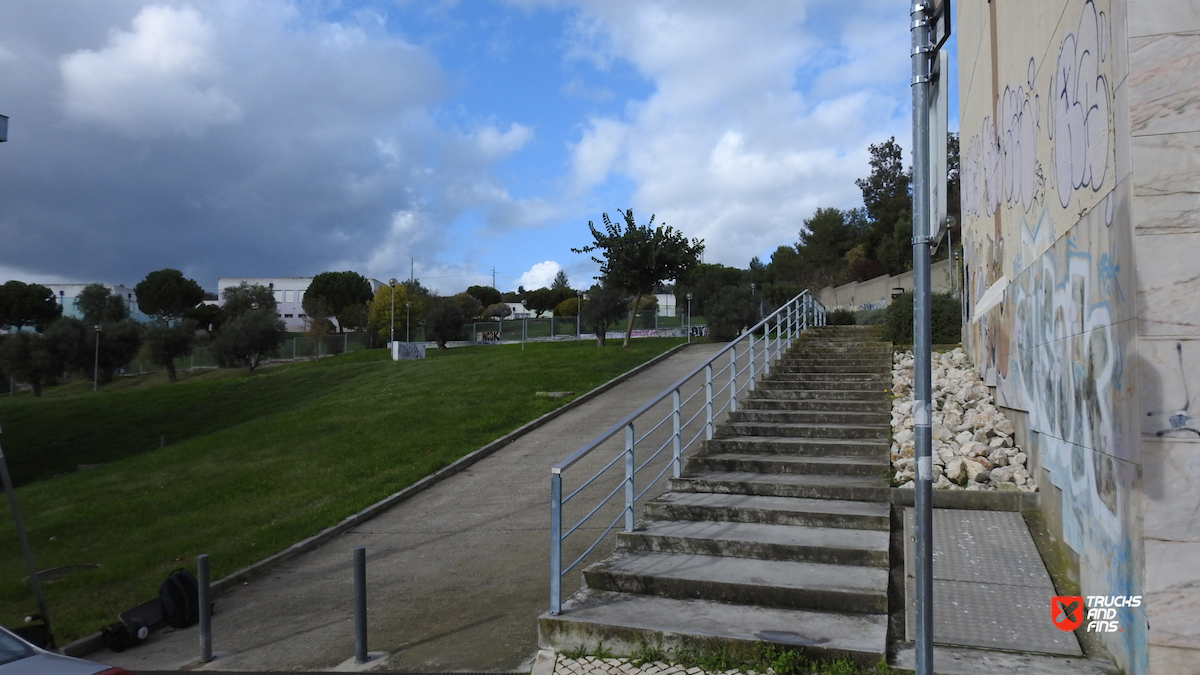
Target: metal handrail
point(761, 346)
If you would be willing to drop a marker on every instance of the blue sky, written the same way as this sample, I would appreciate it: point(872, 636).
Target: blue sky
point(275, 138)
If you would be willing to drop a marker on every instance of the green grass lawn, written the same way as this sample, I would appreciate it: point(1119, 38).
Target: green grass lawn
point(253, 462)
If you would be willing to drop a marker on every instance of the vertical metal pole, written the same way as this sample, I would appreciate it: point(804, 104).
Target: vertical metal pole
point(919, 33)
point(753, 380)
point(630, 495)
point(23, 541)
point(733, 379)
point(555, 541)
point(360, 604)
point(675, 423)
point(204, 599)
point(708, 402)
point(96, 367)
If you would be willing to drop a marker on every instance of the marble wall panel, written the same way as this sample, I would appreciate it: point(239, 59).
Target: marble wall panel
point(1173, 661)
point(1164, 83)
point(1168, 284)
point(1167, 373)
point(1171, 489)
point(1154, 17)
point(1172, 597)
point(1166, 171)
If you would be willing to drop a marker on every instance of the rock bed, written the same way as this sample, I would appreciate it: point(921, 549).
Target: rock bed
point(973, 446)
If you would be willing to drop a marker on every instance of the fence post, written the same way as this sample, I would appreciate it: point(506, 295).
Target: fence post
point(753, 380)
point(675, 424)
point(733, 379)
point(630, 495)
point(203, 590)
point(360, 604)
point(555, 541)
point(708, 395)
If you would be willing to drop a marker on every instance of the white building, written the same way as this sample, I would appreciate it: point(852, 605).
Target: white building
point(289, 294)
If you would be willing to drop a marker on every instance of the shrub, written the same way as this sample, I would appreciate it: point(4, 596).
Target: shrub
point(840, 317)
point(945, 320)
point(870, 317)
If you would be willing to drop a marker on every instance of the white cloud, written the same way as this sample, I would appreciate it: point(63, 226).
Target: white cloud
point(594, 155)
point(156, 79)
point(540, 275)
point(495, 144)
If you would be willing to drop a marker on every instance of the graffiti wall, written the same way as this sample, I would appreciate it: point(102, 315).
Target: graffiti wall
point(1048, 237)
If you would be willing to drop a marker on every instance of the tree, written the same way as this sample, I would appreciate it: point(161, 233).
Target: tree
point(639, 256)
point(444, 321)
point(166, 342)
point(342, 294)
point(98, 304)
point(732, 310)
point(704, 282)
point(500, 310)
point(166, 294)
point(603, 307)
point(249, 337)
point(886, 195)
point(560, 281)
point(380, 314)
point(469, 305)
point(23, 304)
point(541, 301)
point(486, 295)
point(27, 357)
point(568, 307)
point(240, 299)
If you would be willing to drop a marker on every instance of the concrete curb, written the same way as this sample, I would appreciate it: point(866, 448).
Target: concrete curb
point(981, 500)
point(90, 643)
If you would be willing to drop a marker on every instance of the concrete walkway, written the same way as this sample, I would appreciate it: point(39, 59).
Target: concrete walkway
point(456, 575)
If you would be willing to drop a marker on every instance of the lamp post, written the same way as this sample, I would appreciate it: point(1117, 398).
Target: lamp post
point(578, 315)
point(96, 364)
point(524, 323)
point(392, 285)
point(407, 322)
point(689, 317)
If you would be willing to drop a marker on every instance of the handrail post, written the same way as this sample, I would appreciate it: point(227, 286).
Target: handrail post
point(753, 380)
point(766, 369)
point(555, 542)
point(675, 428)
point(629, 469)
point(733, 379)
point(708, 402)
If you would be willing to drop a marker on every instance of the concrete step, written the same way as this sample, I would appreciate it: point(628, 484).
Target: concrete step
point(805, 486)
point(622, 621)
point(760, 541)
point(773, 390)
point(771, 510)
point(879, 406)
point(786, 381)
point(797, 446)
point(829, 366)
point(841, 417)
point(744, 581)
point(780, 464)
point(805, 430)
point(780, 371)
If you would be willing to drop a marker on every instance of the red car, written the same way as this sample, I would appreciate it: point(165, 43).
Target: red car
point(18, 657)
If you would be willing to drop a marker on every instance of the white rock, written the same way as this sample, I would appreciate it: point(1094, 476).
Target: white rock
point(903, 436)
point(1004, 426)
point(1020, 458)
point(964, 437)
point(956, 471)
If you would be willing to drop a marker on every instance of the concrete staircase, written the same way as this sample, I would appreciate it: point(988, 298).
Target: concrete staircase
point(777, 531)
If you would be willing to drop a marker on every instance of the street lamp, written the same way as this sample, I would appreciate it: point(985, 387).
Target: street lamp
point(689, 318)
point(524, 324)
point(392, 285)
point(407, 322)
point(578, 315)
point(96, 365)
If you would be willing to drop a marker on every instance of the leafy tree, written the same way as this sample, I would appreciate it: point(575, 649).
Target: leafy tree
point(444, 321)
point(603, 307)
point(514, 296)
point(344, 294)
point(23, 304)
point(240, 299)
point(26, 356)
point(560, 281)
point(639, 256)
point(486, 295)
point(568, 307)
point(886, 196)
point(249, 337)
point(541, 301)
point(379, 316)
point(468, 304)
point(166, 294)
point(166, 342)
point(73, 343)
point(704, 282)
point(98, 304)
point(500, 310)
point(733, 309)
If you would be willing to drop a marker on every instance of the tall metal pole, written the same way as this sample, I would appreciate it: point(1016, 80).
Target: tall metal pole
point(392, 336)
point(203, 597)
point(922, 229)
point(23, 541)
point(96, 363)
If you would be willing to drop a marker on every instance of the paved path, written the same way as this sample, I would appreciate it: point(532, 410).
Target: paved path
point(456, 576)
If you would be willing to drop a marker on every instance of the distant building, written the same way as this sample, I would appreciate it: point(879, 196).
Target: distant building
point(66, 294)
point(289, 294)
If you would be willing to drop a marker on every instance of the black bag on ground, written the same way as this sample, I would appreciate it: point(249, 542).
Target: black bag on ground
point(180, 598)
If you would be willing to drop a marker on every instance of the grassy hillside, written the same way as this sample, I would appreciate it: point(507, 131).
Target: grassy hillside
point(253, 462)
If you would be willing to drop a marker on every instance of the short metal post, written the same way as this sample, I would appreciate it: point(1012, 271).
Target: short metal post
point(733, 379)
point(753, 379)
point(675, 424)
point(629, 469)
point(360, 604)
point(204, 599)
point(555, 542)
point(708, 402)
